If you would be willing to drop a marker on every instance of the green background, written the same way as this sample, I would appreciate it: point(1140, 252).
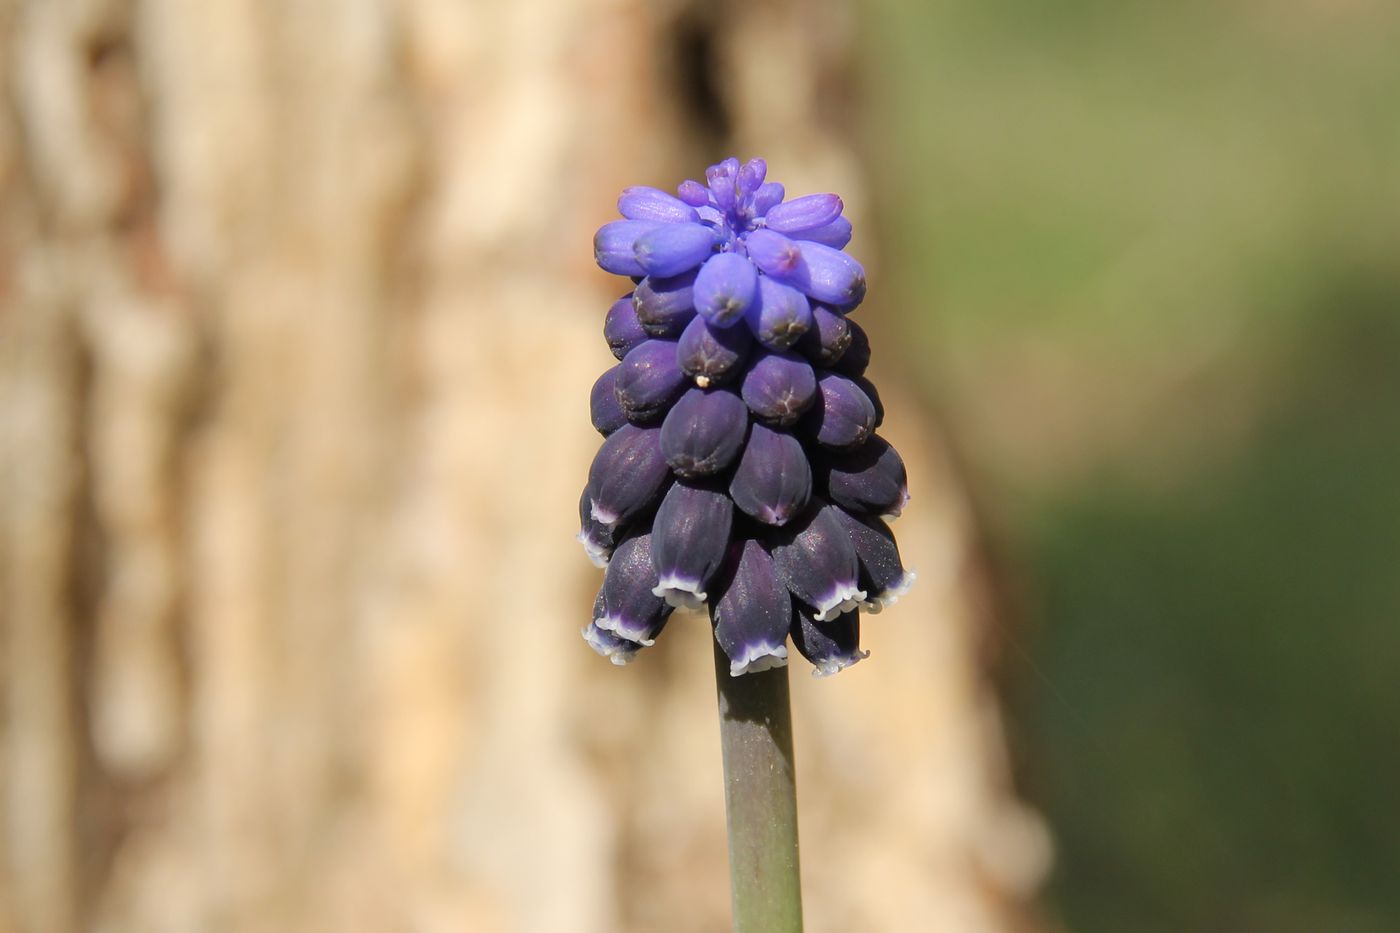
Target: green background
point(1149, 259)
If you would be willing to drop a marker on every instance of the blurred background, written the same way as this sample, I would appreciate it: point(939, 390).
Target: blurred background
point(297, 317)
point(1146, 264)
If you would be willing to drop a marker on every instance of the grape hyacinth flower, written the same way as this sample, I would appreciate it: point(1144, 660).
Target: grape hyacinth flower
point(739, 429)
point(741, 472)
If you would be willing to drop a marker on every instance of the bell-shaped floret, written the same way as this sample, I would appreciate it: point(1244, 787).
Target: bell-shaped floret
point(620, 651)
point(868, 387)
point(665, 306)
point(704, 432)
point(713, 355)
point(842, 417)
point(617, 650)
point(649, 380)
point(621, 329)
point(597, 539)
point(779, 387)
point(773, 481)
point(802, 214)
point(779, 315)
point(724, 288)
point(628, 475)
point(868, 480)
point(631, 609)
point(857, 356)
point(821, 272)
point(690, 537)
point(670, 249)
point(753, 612)
point(606, 410)
point(831, 645)
point(817, 562)
point(828, 339)
point(882, 573)
point(614, 246)
point(643, 203)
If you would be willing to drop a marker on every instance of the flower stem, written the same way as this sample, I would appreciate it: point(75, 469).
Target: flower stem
point(760, 798)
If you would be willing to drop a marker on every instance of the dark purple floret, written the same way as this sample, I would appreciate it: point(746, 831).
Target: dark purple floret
point(805, 213)
point(642, 203)
point(621, 328)
point(614, 246)
point(869, 480)
point(607, 412)
point(774, 481)
point(691, 536)
point(753, 613)
point(628, 475)
point(713, 355)
point(598, 540)
point(828, 339)
point(704, 432)
point(857, 356)
point(882, 573)
point(617, 650)
point(831, 645)
point(649, 380)
point(670, 249)
point(665, 306)
point(779, 315)
point(817, 562)
point(630, 609)
point(842, 417)
point(779, 387)
point(871, 393)
point(620, 651)
point(724, 288)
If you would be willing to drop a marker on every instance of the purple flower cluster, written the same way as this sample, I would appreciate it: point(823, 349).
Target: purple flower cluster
point(740, 468)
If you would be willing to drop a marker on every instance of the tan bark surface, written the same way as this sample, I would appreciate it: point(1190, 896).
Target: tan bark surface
point(297, 321)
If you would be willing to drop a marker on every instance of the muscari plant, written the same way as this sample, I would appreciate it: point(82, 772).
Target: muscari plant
point(740, 472)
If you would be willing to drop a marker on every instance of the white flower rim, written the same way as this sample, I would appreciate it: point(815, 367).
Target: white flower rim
point(884, 600)
point(759, 658)
point(838, 664)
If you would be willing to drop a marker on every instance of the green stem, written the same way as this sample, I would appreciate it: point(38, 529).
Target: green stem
point(760, 798)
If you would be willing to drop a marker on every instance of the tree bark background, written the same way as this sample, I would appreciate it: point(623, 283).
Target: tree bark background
point(297, 322)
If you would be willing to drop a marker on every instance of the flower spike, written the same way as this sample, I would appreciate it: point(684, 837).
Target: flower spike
point(739, 469)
